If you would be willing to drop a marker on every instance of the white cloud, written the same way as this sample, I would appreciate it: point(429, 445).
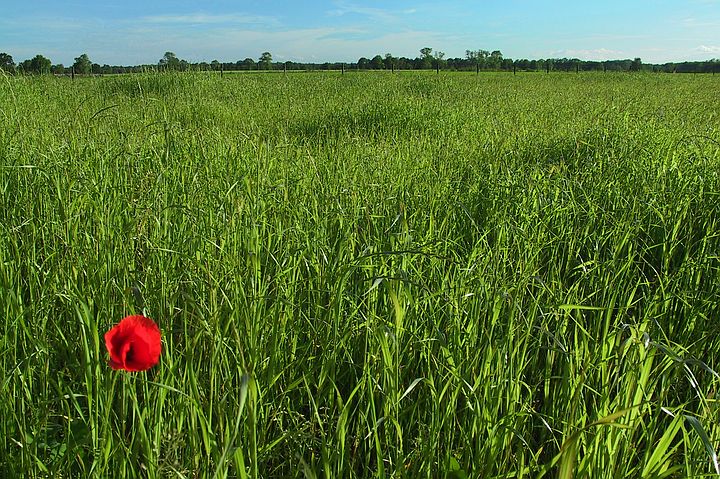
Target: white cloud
point(207, 19)
point(597, 54)
point(378, 14)
point(696, 23)
point(708, 49)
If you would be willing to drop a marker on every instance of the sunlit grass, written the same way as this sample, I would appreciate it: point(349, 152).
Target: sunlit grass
point(362, 275)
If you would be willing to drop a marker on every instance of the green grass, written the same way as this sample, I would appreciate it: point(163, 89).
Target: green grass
point(362, 275)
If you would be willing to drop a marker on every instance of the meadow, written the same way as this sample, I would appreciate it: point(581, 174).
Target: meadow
point(362, 275)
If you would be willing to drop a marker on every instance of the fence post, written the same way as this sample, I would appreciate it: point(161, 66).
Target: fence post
point(72, 73)
point(342, 68)
point(222, 67)
point(437, 68)
point(392, 68)
point(514, 69)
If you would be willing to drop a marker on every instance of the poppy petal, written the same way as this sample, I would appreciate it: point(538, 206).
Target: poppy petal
point(134, 344)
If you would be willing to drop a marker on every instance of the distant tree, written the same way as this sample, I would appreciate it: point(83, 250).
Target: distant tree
point(169, 61)
point(215, 65)
point(426, 57)
point(265, 61)
point(636, 65)
point(495, 60)
point(377, 63)
point(82, 65)
point(389, 61)
point(58, 69)
point(523, 64)
point(564, 64)
point(439, 59)
point(7, 64)
point(403, 63)
point(248, 64)
point(38, 65)
point(478, 58)
point(363, 63)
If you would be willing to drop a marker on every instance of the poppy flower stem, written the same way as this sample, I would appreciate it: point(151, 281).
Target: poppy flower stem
point(122, 413)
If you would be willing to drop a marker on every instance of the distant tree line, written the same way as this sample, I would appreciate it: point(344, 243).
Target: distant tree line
point(474, 60)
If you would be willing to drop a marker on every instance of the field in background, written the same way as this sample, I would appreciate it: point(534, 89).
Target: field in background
point(409, 275)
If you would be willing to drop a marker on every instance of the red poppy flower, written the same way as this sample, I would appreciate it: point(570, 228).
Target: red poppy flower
point(134, 344)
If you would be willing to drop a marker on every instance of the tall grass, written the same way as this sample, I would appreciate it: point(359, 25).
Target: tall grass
point(362, 275)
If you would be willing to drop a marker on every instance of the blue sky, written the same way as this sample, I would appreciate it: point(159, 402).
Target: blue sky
point(141, 31)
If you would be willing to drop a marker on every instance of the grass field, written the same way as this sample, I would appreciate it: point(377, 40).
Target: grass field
point(362, 275)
